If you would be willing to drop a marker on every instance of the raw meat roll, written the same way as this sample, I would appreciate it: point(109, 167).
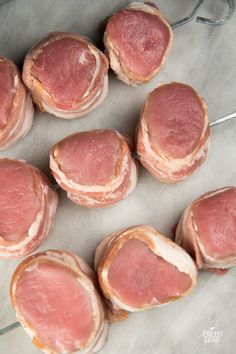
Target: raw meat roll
point(137, 40)
point(207, 229)
point(66, 74)
point(138, 268)
point(173, 132)
point(16, 107)
point(56, 300)
point(27, 208)
point(95, 167)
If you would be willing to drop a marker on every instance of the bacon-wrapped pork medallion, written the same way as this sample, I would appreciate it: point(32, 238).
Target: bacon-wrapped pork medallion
point(173, 132)
point(27, 208)
point(207, 229)
point(137, 40)
point(95, 167)
point(138, 268)
point(55, 297)
point(66, 74)
point(16, 107)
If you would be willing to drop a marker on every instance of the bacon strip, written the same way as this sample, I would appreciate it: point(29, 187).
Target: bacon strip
point(207, 229)
point(66, 74)
point(28, 205)
point(138, 40)
point(138, 268)
point(16, 111)
point(173, 132)
point(55, 296)
point(95, 168)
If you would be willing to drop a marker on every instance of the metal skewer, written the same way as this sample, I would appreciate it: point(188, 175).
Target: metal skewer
point(221, 21)
point(223, 119)
point(204, 20)
point(188, 18)
point(9, 328)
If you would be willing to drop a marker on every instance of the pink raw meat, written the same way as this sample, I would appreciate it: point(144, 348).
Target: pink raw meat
point(137, 40)
point(27, 208)
point(65, 73)
point(94, 167)
point(175, 119)
point(7, 92)
point(173, 132)
point(45, 294)
point(16, 107)
point(76, 157)
point(140, 38)
point(55, 296)
point(149, 276)
point(139, 268)
point(215, 218)
point(19, 202)
point(207, 229)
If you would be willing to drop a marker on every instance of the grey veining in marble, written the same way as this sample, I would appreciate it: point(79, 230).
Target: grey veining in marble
point(202, 56)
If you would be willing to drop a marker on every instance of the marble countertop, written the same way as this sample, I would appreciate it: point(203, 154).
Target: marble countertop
point(202, 56)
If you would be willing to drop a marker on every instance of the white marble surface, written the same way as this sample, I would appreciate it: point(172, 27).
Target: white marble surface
point(202, 56)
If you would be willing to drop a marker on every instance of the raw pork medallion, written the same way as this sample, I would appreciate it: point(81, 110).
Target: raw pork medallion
point(137, 40)
point(95, 167)
point(207, 229)
point(27, 208)
point(56, 300)
point(16, 107)
point(66, 74)
point(139, 268)
point(173, 132)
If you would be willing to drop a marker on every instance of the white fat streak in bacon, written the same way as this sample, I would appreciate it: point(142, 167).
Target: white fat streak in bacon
point(98, 337)
point(114, 56)
point(163, 247)
point(94, 202)
point(84, 109)
point(187, 224)
point(172, 165)
point(96, 70)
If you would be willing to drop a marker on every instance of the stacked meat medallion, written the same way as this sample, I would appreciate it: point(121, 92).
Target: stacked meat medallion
point(56, 299)
point(137, 40)
point(95, 168)
point(66, 74)
point(173, 132)
point(16, 108)
point(61, 302)
point(207, 229)
point(139, 268)
point(28, 205)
